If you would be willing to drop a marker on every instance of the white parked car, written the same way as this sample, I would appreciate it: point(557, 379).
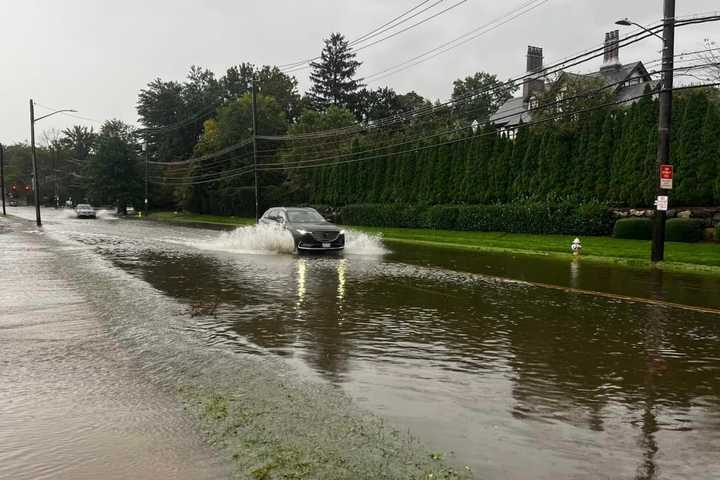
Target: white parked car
point(84, 210)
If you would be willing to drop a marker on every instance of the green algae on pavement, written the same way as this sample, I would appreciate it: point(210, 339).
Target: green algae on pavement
point(291, 435)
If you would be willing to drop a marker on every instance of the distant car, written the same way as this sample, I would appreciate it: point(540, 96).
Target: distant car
point(310, 231)
point(13, 203)
point(83, 210)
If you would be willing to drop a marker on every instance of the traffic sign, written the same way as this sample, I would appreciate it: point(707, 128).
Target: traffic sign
point(666, 177)
point(662, 203)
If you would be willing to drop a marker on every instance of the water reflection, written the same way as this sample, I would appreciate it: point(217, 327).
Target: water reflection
point(604, 385)
point(301, 272)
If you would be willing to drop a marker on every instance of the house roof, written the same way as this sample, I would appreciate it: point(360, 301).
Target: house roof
point(511, 113)
point(619, 73)
point(515, 110)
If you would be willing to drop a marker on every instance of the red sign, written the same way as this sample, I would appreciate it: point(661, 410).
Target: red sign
point(666, 172)
point(666, 177)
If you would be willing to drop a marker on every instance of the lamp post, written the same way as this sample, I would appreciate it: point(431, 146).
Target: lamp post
point(664, 122)
point(147, 153)
point(35, 182)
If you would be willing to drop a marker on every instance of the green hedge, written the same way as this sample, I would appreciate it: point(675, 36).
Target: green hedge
point(633, 228)
point(689, 230)
point(717, 233)
point(538, 218)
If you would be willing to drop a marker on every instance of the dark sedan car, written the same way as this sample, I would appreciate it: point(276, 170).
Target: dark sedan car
point(309, 229)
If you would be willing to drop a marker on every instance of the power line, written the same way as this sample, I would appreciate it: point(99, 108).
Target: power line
point(306, 163)
point(305, 64)
point(458, 41)
point(362, 37)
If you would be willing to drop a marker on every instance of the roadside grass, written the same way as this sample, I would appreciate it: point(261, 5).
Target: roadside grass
point(185, 217)
point(696, 257)
point(679, 256)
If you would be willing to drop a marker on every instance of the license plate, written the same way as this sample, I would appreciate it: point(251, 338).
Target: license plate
point(326, 245)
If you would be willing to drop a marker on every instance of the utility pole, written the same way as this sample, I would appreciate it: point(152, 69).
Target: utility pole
point(2, 176)
point(254, 133)
point(55, 175)
point(35, 183)
point(664, 125)
point(147, 157)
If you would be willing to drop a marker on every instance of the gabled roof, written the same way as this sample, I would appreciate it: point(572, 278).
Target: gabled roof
point(619, 73)
point(511, 112)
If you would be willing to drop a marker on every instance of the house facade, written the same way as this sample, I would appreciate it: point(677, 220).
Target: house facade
point(627, 82)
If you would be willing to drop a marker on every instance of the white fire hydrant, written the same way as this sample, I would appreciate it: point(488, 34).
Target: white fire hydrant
point(576, 247)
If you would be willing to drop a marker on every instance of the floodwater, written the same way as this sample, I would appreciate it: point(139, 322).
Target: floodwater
point(475, 354)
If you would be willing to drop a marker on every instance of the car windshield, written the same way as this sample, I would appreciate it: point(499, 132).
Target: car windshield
point(304, 216)
point(84, 205)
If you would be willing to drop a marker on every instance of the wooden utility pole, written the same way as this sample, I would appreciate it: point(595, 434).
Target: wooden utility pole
point(664, 126)
point(35, 182)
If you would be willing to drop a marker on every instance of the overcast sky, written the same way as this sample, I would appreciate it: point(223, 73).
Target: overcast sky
point(96, 55)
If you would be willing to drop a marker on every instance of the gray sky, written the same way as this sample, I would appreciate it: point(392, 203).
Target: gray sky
point(95, 55)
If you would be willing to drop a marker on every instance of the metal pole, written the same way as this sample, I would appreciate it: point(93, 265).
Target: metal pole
point(2, 176)
point(35, 182)
point(147, 158)
point(254, 132)
point(55, 159)
point(664, 125)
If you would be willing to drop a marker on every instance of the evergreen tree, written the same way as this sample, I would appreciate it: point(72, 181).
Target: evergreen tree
point(710, 160)
point(691, 185)
point(333, 76)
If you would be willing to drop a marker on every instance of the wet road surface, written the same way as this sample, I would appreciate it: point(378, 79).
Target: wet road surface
point(72, 404)
point(518, 381)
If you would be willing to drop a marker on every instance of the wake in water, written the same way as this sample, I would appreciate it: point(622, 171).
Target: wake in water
point(264, 239)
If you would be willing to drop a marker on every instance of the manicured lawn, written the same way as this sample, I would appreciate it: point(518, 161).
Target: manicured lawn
point(184, 217)
point(682, 256)
point(679, 256)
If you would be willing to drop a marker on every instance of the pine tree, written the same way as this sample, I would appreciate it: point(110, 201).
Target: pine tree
point(333, 75)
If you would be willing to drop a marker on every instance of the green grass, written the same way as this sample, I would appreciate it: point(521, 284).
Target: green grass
point(185, 217)
point(700, 257)
point(678, 256)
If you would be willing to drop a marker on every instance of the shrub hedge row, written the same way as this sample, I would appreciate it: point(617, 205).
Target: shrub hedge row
point(633, 228)
point(677, 229)
point(717, 233)
point(689, 230)
point(537, 218)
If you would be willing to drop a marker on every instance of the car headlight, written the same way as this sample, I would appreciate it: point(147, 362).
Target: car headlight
point(342, 232)
point(302, 232)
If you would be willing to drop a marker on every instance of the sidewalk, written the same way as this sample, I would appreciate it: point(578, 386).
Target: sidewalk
point(71, 404)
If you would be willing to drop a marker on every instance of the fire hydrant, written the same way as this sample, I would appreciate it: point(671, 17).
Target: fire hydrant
point(576, 247)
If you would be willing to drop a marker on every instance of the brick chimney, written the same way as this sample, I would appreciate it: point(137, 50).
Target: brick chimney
point(612, 48)
point(534, 64)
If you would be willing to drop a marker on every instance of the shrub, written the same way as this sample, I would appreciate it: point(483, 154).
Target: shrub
point(717, 233)
point(689, 230)
point(539, 218)
point(633, 228)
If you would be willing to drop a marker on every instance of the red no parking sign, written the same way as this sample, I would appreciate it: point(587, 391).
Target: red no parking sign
point(666, 177)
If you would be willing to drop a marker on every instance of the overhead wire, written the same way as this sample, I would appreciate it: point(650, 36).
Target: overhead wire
point(306, 164)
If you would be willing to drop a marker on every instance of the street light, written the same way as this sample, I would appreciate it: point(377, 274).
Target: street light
point(625, 22)
point(35, 182)
point(664, 123)
point(147, 154)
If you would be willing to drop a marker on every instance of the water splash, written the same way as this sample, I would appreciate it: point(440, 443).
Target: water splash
point(267, 239)
point(358, 243)
point(254, 239)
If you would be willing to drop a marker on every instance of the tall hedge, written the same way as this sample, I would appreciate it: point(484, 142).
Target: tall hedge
point(571, 219)
point(607, 156)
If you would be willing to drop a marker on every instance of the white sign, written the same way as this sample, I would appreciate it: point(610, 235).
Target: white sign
point(666, 183)
point(662, 203)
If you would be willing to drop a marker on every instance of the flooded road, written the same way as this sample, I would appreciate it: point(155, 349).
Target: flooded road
point(519, 381)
